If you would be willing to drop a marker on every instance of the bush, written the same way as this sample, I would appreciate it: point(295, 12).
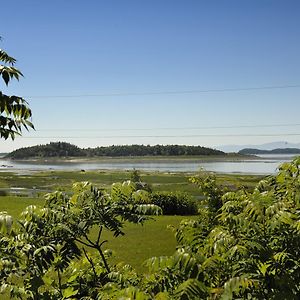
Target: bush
point(3, 193)
point(174, 203)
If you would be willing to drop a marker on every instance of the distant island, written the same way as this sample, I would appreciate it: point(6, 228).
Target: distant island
point(62, 149)
point(265, 146)
point(252, 151)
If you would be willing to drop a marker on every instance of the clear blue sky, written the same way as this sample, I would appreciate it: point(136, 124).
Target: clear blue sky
point(93, 47)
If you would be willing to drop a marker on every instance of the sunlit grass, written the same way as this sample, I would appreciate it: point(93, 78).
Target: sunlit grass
point(140, 242)
point(14, 205)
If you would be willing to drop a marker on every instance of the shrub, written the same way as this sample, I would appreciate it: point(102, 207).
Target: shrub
point(3, 193)
point(174, 203)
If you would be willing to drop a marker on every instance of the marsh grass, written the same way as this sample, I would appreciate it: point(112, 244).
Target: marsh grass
point(62, 180)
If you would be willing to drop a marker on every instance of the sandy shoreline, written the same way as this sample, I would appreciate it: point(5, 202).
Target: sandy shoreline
point(136, 159)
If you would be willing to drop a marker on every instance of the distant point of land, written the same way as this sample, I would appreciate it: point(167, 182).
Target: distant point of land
point(252, 151)
point(65, 150)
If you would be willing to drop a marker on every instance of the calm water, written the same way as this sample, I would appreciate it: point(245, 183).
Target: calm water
point(266, 165)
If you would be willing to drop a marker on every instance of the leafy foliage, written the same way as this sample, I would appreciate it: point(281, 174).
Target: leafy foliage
point(207, 184)
point(252, 249)
point(245, 245)
point(44, 254)
point(14, 110)
point(171, 203)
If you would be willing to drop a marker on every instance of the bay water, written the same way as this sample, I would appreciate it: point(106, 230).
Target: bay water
point(264, 164)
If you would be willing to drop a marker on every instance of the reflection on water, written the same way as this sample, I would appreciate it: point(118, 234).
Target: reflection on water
point(267, 164)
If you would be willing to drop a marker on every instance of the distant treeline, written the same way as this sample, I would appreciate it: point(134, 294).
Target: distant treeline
point(274, 151)
point(61, 149)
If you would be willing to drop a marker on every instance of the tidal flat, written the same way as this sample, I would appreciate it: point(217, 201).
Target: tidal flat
point(228, 164)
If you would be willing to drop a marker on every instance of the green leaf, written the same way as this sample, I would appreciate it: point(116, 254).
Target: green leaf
point(6, 222)
point(5, 76)
point(191, 289)
point(69, 292)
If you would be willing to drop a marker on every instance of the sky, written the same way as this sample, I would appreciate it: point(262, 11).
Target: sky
point(190, 72)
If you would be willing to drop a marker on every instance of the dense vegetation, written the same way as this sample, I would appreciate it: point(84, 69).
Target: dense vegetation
point(244, 245)
point(171, 203)
point(157, 150)
point(38, 249)
point(274, 151)
point(61, 149)
point(174, 203)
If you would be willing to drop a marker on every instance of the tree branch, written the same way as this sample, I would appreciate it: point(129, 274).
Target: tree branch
point(91, 262)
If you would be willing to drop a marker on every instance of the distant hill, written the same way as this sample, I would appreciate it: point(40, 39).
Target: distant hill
point(274, 151)
point(266, 146)
point(61, 149)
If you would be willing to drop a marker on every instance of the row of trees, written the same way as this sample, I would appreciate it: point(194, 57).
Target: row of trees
point(157, 150)
point(61, 149)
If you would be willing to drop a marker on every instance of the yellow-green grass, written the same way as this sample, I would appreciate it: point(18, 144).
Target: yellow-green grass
point(140, 242)
point(14, 205)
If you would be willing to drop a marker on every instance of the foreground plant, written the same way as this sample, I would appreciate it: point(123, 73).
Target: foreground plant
point(246, 248)
point(44, 255)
